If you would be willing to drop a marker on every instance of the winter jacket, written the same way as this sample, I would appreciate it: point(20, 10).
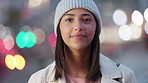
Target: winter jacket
point(111, 73)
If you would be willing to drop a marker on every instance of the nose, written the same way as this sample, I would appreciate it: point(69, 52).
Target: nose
point(78, 26)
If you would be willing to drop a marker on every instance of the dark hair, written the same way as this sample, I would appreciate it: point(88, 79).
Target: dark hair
point(93, 69)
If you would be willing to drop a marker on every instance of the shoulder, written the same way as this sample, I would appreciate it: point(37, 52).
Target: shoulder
point(127, 73)
point(110, 69)
point(42, 74)
point(106, 62)
point(36, 77)
point(125, 69)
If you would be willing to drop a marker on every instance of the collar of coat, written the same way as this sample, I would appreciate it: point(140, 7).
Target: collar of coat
point(109, 70)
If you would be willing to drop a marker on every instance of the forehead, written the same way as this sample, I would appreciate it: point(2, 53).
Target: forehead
point(79, 11)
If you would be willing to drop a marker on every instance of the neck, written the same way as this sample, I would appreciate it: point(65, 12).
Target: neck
point(77, 62)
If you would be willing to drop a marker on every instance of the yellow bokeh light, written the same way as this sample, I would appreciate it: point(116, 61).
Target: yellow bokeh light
point(9, 62)
point(16, 61)
point(20, 62)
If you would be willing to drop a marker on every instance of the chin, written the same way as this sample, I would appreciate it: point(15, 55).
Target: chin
point(79, 47)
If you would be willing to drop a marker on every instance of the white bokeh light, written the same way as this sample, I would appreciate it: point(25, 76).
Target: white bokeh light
point(34, 3)
point(26, 28)
point(137, 18)
point(8, 42)
point(40, 35)
point(146, 14)
point(4, 31)
point(125, 32)
point(119, 17)
point(146, 28)
point(136, 31)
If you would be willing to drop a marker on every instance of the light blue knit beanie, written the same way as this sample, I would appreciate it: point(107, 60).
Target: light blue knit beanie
point(66, 5)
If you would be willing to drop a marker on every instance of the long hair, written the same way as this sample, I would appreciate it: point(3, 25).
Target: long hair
point(93, 68)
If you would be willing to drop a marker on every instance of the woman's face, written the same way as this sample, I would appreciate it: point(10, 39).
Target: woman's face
point(78, 28)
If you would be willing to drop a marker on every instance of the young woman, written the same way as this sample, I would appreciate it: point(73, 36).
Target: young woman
point(78, 59)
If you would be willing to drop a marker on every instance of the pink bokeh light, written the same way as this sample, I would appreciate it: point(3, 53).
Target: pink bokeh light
point(2, 47)
point(52, 39)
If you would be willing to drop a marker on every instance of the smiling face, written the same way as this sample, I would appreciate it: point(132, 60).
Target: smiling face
point(78, 28)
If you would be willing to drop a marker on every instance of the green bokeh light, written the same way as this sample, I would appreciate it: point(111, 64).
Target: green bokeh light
point(25, 39)
point(32, 39)
point(21, 39)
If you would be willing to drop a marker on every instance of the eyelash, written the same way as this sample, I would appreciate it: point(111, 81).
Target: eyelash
point(84, 20)
point(68, 20)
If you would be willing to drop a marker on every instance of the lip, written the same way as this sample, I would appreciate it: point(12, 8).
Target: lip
point(78, 36)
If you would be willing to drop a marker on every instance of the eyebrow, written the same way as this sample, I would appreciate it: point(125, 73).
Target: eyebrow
point(69, 15)
point(85, 15)
point(74, 15)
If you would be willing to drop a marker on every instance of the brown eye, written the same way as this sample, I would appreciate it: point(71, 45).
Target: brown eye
point(69, 20)
point(87, 20)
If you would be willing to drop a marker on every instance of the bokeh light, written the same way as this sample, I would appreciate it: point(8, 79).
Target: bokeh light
point(9, 61)
point(21, 39)
point(146, 28)
point(40, 35)
point(136, 31)
point(125, 32)
point(137, 18)
point(16, 61)
point(19, 62)
point(25, 39)
point(146, 14)
point(119, 17)
point(52, 39)
point(6, 31)
point(2, 47)
point(31, 39)
point(3, 31)
point(34, 3)
point(26, 28)
point(8, 42)
point(4, 50)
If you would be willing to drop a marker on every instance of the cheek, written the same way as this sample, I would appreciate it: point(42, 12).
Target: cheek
point(91, 33)
point(91, 30)
point(65, 33)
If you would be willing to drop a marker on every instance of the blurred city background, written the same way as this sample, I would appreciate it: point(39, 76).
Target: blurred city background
point(27, 38)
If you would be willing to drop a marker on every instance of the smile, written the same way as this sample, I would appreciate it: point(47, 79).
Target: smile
point(78, 36)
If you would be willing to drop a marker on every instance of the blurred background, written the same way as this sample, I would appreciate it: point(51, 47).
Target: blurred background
point(27, 39)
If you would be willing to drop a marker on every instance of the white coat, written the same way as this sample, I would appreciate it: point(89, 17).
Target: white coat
point(110, 73)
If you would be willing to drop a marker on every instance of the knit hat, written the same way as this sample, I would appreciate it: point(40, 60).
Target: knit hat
point(66, 5)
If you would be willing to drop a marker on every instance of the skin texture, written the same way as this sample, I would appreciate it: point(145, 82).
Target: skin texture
point(77, 29)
